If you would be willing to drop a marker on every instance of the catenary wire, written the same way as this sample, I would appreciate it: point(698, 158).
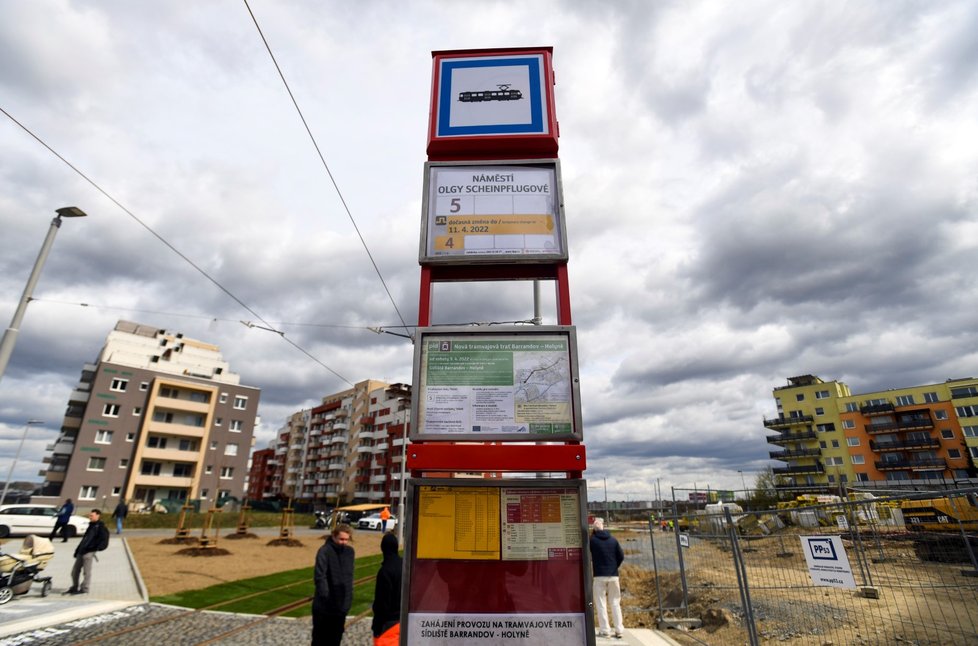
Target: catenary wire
point(199, 269)
point(322, 159)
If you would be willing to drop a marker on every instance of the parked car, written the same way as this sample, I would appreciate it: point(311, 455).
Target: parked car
point(374, 522)
point(21, 520)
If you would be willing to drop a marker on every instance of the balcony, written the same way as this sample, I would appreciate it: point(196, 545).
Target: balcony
point(791, 437)
point(876, 409)
point(926, 464)
point(787, 422)
point(904, 424)
point(338, 438)
point(808, 468)
point(795, 453)
point(171, 428)
point(162, 481)
point(79, 396)
point(378, 479)
point(170, 455)
point(929, 443)
point(340, 426)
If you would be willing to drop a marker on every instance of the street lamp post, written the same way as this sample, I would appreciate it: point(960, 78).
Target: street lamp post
point(744, 483)
point(10, 473)
point(10, 335)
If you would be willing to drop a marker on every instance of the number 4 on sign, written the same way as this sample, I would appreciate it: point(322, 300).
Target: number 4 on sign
point(444, 242)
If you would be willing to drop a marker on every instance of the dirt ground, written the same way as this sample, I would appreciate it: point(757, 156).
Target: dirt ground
point(922, 603)
point(164, 571)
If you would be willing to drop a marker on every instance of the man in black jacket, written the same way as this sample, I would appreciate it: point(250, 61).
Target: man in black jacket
point(387, 592)
point(333, 577)
point(606, 556)
point(96, 539)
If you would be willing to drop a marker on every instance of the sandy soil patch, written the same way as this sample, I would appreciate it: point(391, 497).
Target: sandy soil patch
point(166, 572)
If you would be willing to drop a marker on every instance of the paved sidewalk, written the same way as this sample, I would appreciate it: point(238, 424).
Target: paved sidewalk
point(116, 584)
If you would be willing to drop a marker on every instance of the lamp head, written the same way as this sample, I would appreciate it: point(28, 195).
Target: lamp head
point(70, 212)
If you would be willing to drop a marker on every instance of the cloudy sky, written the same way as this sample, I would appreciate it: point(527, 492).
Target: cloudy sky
point(753, 191)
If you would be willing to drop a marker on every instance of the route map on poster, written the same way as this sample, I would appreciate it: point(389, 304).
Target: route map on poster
point(458, 523)
point(541, 525)
point(493, 211)
point(504, 385)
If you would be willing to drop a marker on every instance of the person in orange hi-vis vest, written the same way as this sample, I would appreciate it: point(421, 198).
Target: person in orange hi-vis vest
point(385, 515)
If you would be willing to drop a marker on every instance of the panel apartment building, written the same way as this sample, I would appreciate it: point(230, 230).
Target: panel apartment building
point(917, 435)
point(348, 449)
point(157, 417)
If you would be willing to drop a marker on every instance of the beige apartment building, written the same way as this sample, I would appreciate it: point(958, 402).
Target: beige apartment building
point(158, 417)
point(348, 449)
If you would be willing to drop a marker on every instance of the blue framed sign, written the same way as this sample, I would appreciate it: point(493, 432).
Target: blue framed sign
point(492, 101)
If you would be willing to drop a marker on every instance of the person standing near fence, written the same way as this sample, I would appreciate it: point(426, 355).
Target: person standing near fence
point(333, 577)
point(606, 557)
point(385, 515)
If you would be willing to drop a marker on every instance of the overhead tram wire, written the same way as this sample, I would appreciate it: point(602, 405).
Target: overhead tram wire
point(322, 159)
point(199, 269)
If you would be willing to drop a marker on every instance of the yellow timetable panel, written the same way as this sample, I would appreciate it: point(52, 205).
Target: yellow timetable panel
point(458, 523)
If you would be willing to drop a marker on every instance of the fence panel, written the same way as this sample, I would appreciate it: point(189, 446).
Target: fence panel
point(912, 563)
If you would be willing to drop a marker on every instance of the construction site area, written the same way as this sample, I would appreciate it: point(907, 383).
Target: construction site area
point(729, 576)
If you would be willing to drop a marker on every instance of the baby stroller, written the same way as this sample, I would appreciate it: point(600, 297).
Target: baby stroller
point(18, 571)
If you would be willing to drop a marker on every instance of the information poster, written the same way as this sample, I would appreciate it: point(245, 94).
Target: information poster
point(458, 523)
point(541, 524)
point(505, 386)
point(827, 562)
point(493, 211)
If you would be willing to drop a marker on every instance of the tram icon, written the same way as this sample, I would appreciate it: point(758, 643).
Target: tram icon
point(502, 94)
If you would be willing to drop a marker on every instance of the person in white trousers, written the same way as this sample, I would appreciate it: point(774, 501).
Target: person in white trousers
point(606, 557)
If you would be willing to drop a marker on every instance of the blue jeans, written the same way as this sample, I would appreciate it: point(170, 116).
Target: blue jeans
point(118, 524)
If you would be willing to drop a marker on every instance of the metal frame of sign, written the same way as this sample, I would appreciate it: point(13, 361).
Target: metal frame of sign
point(492, 101)
point(486, 588)
point(487, 362)
point(473, 210)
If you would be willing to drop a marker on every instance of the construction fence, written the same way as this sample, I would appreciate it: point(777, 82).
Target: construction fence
point(820, 570)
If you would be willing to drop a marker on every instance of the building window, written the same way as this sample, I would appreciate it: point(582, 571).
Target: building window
point(150, 468)
point(240, 403)
point(904, 400)
point(931, 398)
point(224, 398)
point(852, 407)
point(947, 434)
point(800, 397)
point(137, 411)
point(213, 446)
point(823, 445)
point(124, 463)
point(130, 437)
point(96, 464)
point(231, 449)
point(144, 386)
point(862, 477)
point(822, 394)
point(819, 411)
point(218, 421)
point(227, 473)
point(974, 451)
point(825, 428)
point(940, 414)
point(967, 391)
point(852, 441)
point(858, 459)
point(88, 492)
point(970, 431)
point(235, 426)
point(119, 385)
point(966, 411)
point(103, 437)
point(156, 442)
point(188, 445)
point(223, 493)
point(208, 469)
point(835, 444)
point(116, 491)
point(848, 423)
point(183, 470)
point(111, 410)
point(954, 454)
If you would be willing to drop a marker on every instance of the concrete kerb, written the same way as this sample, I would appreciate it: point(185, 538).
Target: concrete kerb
point(137, 576)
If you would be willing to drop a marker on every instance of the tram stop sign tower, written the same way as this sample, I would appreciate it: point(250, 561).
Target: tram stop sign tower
point(496, 541)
